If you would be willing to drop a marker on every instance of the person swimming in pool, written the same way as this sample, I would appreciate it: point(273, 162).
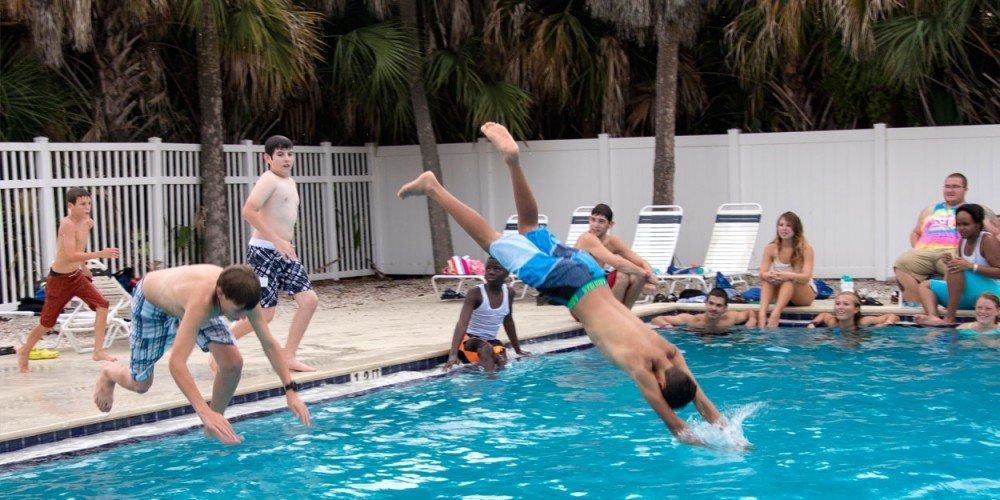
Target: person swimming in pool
point(715, 318)
point(573, 278)
point(987, 309)
point(847, 315)
point(486, 307)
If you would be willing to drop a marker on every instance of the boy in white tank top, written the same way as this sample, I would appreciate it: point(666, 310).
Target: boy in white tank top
point(486, 307)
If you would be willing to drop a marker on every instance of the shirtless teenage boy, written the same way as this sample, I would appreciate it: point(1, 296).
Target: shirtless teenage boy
point(69, 277)
point(626, 287)
point(716, 315)
point(572, 277)
point(183, 305)
point(273, 209)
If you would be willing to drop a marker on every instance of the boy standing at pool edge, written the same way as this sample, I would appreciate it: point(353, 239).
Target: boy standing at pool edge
point(273, 209)
point(69, 277)
point(572, 277)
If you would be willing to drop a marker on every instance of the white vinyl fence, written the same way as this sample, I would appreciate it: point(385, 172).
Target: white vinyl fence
point(858, 192)
point(146, 202)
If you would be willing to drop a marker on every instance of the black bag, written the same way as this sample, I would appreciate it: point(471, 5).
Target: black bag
point(30, 304)
point(125, 276)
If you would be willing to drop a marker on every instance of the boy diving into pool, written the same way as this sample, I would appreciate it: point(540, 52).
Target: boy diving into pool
point(184, 305)
point(573, 278)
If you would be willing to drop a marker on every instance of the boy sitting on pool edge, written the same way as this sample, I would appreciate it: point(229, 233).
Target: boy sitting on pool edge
point(572, 277)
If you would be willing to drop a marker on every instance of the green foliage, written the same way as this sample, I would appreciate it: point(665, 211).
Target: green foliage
point(35, 101)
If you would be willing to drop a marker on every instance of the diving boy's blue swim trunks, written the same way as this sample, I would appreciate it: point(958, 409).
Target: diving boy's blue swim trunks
point(561, 273)
point(275, 272)
point(153, 330)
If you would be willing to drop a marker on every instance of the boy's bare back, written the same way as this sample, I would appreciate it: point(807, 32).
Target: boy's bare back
point(173, 289)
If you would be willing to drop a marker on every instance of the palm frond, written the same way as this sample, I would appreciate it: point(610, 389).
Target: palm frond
point(502, 102)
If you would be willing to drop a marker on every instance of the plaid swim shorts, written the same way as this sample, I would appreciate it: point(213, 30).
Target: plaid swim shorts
point(153, 330)
point(275, 272)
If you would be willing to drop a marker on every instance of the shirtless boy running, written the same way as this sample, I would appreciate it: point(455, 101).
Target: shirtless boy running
point(273, 209)
point(183, 305)
point(69, 277)
point(716, 316)
point(572, 277)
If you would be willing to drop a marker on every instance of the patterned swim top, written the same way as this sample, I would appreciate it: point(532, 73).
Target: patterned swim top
point(939, 231)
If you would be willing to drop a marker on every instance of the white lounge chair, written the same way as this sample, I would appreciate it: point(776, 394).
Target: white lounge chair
point(460, 280)
point(81, 318)
point(731, 247)
point(656, 236)
point(578, 225)
point(511, 228)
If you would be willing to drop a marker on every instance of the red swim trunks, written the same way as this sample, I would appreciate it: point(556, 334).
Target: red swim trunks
point(61, 288)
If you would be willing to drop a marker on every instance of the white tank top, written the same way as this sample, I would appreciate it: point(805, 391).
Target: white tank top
point(976, 257)
point(485, 322)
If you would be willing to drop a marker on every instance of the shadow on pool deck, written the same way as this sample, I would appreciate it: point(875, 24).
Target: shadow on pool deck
point(58, 394)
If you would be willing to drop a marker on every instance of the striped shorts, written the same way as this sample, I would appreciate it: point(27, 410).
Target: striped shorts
point(153, 330)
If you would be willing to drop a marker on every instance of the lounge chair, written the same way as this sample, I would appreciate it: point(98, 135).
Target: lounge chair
point(656, 236)
point(511, 228)
point(81, 318)
point(731, 247)
point(578, 225)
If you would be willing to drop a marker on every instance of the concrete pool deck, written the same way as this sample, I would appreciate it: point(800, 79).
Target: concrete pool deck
point(58, 394)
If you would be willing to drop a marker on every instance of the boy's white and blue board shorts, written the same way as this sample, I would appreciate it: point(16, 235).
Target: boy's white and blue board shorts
point(561, 273)
point(153, 330)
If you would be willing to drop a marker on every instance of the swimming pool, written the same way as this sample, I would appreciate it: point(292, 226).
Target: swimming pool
point(887, 414)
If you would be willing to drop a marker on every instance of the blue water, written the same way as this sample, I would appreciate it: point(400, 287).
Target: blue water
point(890, 414)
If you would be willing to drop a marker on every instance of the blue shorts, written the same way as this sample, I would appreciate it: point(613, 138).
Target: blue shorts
point(153, 330)
point(975, 285)
point(275, 272)
point(561, 273)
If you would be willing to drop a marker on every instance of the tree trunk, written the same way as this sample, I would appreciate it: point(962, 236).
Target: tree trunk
point(213, 168)
point(441, 247)
point(667, 48)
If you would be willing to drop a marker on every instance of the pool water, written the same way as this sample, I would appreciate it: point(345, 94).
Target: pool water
point(892, 413)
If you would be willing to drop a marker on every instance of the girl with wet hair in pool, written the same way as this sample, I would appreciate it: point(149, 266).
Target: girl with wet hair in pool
point(786, 270)
point(847, 315)
point(974, 271)
point(987, 309)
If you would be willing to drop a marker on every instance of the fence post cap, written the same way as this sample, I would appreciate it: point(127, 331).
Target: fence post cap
point(41, 139)
point(155, 140)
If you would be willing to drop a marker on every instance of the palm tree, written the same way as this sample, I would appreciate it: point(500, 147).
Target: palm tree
point(269, 48)
point(672, 22)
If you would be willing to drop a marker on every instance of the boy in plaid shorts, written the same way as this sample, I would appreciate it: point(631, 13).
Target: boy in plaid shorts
point(272, 209)
point(69, 277)
point(184, 305)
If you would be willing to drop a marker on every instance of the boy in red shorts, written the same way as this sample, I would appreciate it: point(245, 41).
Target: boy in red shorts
point(69, 277)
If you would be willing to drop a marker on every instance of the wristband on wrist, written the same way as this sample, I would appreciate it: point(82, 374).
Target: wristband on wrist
point(291, 386)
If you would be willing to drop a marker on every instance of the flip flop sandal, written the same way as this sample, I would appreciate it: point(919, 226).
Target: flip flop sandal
point(868, 301)
point(7, 349)
point(43, 354)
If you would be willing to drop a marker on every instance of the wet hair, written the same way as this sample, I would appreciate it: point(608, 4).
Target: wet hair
point(240, 284)
point(990, 296)
point(956, 175)
point(975, 211)
point(680, 388)
point(718, 292)
point(798, 237)
point(276, 142)
point(72, 194)
point(857, 304)
point(602, 209)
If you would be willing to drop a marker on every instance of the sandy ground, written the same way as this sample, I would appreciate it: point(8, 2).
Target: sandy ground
point(356, 291)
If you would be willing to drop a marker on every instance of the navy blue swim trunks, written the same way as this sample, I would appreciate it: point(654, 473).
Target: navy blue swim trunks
point(275, 272)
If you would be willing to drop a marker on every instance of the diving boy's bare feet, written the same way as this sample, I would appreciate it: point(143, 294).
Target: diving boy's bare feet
point(104, 391)
point(22, 359)
point(501, 139)
point(420, 186)
point(298, 366)
point(102, 355)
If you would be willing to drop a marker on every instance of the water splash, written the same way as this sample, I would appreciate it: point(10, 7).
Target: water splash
point(729, 438)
